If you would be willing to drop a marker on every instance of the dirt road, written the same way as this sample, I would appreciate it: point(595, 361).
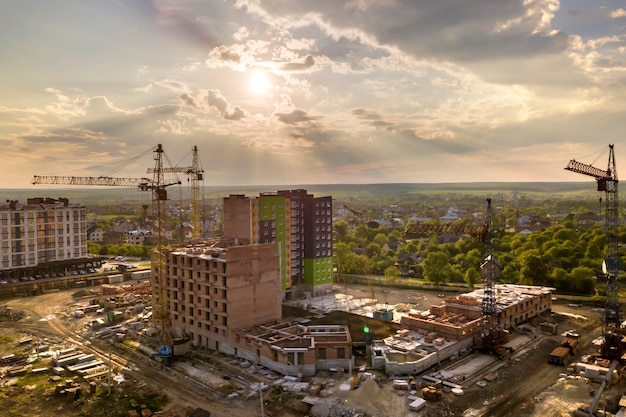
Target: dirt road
point(48, 316)
point(520, 383)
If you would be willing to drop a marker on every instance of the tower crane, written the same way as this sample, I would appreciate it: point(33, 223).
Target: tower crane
point(157, 185)
point(492, 338)
point(196, 174)
point(359, 215)
point(490, 269)
point(607, 182)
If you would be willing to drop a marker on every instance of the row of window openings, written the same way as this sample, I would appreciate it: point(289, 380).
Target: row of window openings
point(218, 267)
point(183, 308)
point(207, 326)
point(20, 246)
point(17, 262)
point(31, 230)
point(51, 253)
point(40, 217)
point(207, 290)
point(199, 274)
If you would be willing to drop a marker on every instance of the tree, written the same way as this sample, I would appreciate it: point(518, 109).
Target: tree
point(561, 280)
point(381, 239)
point(342, 230)
point(380, 263)
point(472, 276)
point(436, 267)
point(373, 249)
point(409, 247)
point(395, 235)
point(392, 273)
point(342, 252)
point(361, 265)
point(583, 280)
point(533, 270)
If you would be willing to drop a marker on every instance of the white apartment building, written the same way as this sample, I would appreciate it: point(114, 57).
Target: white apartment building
point(43, 230)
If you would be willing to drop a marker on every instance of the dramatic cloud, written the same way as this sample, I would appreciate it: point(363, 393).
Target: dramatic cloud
point(225, 109)
point(294, 117)
point(314, 91)
point(307, 63)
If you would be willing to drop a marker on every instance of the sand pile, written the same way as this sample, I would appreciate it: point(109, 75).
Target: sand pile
point(376, 401)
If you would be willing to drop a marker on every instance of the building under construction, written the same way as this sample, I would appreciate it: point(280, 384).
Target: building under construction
point(455, 325)
point(226, 296)
point(460, 316)
point(218, 285)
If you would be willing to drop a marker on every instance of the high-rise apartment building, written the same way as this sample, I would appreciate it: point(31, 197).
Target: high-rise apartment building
point(42, 232)
point(300, 225)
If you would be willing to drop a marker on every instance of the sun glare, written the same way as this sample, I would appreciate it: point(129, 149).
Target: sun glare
point(259, 82)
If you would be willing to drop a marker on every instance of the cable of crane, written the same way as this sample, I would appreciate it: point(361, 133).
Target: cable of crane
point(597, 155)
point(127, 162)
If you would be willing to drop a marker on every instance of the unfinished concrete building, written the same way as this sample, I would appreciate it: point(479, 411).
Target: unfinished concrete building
point(216, 286)
point(460, 316)
point(292, 348)
point(226, 296)
point(452, 326)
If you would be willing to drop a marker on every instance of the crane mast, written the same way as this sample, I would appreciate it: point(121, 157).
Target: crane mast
point(490, 269)
point(607, 182)
point(160, 303)
point(196, 175)
point(158, 187)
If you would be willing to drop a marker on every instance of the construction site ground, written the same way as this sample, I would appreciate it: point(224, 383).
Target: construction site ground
point(522, 384)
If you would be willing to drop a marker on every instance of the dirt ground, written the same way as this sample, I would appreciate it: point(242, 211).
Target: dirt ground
point(522, 388)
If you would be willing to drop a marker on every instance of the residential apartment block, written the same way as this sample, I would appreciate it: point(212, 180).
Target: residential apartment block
point(40, 233)
point(300, 225)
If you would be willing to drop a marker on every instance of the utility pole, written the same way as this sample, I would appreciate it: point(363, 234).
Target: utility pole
point(109, 374)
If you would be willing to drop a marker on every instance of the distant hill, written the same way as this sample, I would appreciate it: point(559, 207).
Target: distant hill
point(338, 191)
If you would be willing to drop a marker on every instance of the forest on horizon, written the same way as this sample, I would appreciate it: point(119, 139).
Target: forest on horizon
point(399, 191)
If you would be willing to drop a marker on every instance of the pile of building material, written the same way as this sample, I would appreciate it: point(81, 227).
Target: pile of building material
point(431, 393)
point(75, 361)
point(400, 384)
point(292, 386)
point(590, 371)
point(70, 388)
point(416, 403)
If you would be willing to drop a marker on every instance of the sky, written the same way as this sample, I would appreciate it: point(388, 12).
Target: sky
point(312, 92)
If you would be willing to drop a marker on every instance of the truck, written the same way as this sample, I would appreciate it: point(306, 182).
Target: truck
point(180, 347)
point(560, 355)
